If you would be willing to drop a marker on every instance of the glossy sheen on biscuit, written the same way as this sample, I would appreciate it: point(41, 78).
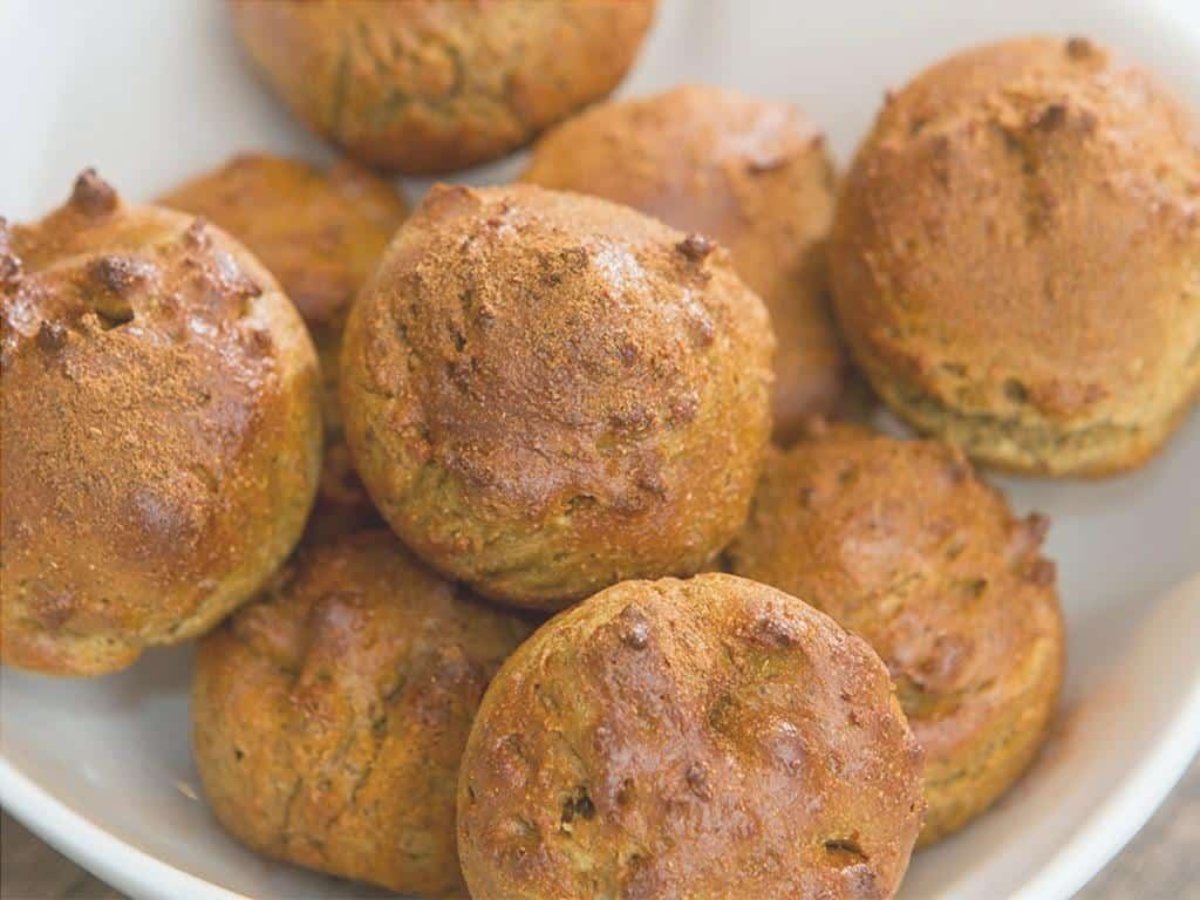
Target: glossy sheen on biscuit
point(704, 738)
point(1015, 256)
point(329, 717)
point(754, 175)
point(902, 544)
point(320, 233)
point(431, 86)
point(546, 393)
point(161, 437)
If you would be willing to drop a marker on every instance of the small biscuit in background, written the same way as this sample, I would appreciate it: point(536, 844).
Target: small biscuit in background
point(754, 175)
point(328, 718)
point(547, 393)
point(434, 86)
point(161, 436)
point(1015, 257)
point(901, 543)
point(712, 737)
point(320, 233)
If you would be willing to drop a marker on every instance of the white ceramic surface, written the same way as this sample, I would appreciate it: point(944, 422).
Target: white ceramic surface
point(151, 91)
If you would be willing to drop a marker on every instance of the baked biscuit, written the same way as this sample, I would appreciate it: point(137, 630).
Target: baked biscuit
point(329, 717)
point(704, 738)
point(546, 393)
point(754, 175)
point(162, 431)
point(432, 86)
point(902, 544)
point(1015, 257)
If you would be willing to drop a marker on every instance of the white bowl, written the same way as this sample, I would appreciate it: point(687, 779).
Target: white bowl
point(151, 91)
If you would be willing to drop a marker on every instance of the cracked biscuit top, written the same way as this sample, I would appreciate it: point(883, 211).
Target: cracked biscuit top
point(431, 86)
point(161, 430)
point(1016, 256)
point(903, 544)
point(705, 738)
point(546, 393)
point(330, 715)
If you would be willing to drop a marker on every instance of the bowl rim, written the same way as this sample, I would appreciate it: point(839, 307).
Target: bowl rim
point(110, 858)
point(1138, 794)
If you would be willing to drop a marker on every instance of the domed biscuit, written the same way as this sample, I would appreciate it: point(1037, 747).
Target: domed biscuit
point(433, 86)
point(328, 718)
point(752, 174)
point(162, 431)
point(903, 545)
point(546, 393)
point(320, 233)
point(704, 738)
point(1015, 255)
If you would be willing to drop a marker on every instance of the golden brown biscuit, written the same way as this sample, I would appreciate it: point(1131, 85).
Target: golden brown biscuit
point(752, 174)
point(902, 544)
point(1015, 257)
point(546, 393)
point(328, 719)
point(320, 233)
point(162, 431)
point(432, 86)
point(704, 738)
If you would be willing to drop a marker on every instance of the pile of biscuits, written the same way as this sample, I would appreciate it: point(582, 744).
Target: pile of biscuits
point(364, 455)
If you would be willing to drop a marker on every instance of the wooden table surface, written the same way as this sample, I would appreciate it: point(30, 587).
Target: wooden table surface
point(1162, 863)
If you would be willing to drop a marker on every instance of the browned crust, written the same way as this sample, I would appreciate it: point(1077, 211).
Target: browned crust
point(901, 543)
point(1015, 255)
point(161, 433)
point(546, 393)
point(703, 738)
point(329, 717)
point(432, 86)
point(320, 232)
point(753, 174)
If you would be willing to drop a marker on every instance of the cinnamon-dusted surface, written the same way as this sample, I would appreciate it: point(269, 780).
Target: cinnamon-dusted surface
point(432, 86)
point(902, 544)
point(329, 716)
point(754, 175)
point(320, 233)
point(704, 738)
point(1015, 256)
point(547, 393)
point(161, 437)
